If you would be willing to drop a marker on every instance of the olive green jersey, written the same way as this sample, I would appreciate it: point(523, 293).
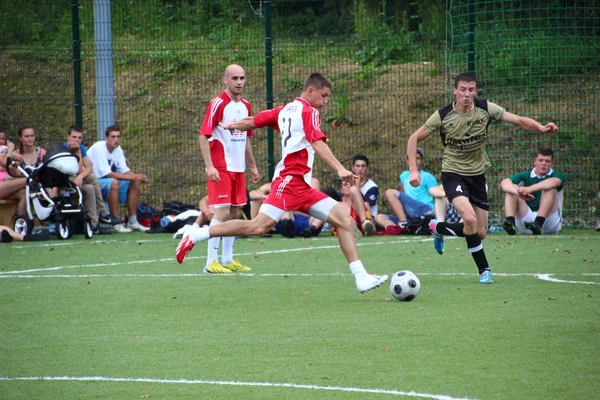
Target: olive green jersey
point(464, 136)
point(529, 178)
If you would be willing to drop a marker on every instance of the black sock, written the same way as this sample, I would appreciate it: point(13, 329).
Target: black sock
point(450, 228)
point(6, 237)
point(476, 249)
point(511, 219)
point(540, 220)
point(42, 235)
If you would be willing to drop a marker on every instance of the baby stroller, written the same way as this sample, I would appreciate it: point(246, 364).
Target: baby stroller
point(64, 210)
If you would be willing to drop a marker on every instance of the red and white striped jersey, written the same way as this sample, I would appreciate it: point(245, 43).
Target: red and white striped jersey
point(227, 148)
point(300, 126)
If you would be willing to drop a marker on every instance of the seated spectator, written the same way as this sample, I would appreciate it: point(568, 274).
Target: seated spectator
point(534, 198)
point(368, 189)
point(355, 205)
point(117, 182)
point(7, 235)
point(408, 202)
point(31, 154)
point(11, 188)
point(87, 182)
point(5, 142)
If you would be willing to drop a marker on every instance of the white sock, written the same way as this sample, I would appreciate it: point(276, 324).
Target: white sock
point(199, 234)
point(357, 268)
point(213, 246)
point(132, 220)
point(227, 253)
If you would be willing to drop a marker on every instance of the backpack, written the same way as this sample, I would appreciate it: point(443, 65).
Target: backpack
point(175, 208)
point(147, 216)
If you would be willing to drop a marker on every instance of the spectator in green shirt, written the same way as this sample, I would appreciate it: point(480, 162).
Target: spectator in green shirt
point(534, 198)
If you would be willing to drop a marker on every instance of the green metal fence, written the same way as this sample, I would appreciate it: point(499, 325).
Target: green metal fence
point(391, 63)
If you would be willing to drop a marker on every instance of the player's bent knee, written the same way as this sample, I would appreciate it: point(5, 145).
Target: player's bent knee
point(469, 219)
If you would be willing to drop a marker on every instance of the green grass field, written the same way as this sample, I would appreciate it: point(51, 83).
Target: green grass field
point(117, 318)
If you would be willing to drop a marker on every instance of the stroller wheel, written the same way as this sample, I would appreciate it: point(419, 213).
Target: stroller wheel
point(88, 233)
point(63, 230)
point(23, 225)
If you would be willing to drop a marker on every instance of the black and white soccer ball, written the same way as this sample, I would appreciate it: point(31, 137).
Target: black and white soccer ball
point(404, 286)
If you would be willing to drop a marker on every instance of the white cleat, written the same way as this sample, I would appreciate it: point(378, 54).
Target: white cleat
point(370, 282)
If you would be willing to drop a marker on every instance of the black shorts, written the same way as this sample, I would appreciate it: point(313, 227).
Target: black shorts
point(472, 187)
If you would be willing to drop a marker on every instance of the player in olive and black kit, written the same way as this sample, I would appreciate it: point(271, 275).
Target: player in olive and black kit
point(462, 126)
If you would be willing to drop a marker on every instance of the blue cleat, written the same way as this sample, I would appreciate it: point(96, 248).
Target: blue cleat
point(486, 277)
point(438, 243)
point(438, 240)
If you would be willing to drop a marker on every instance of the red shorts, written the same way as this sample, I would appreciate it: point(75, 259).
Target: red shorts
point(292, 193)
point(231, 191)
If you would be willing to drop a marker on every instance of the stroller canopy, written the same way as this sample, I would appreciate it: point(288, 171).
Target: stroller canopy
point(59, 158)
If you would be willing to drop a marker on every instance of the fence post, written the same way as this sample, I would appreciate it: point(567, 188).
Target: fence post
point(104, 66)
point(77, 63)
point(269, 81)
point(471, 36)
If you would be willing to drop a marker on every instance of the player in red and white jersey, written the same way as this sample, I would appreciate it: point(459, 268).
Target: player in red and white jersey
point(301, 137)
point(225, 153)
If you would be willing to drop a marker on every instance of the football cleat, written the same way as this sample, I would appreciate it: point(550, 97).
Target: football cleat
point(485, 277)
point(216, 268)
point(369, 282)
point(368, 227)
point(438, 243)
point(534, 227)
point(509, 227)
point(236, 266)
point(183, 248)
point(432, 226)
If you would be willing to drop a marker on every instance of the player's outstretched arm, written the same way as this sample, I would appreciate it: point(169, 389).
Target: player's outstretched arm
point(245, 124)
point(324, 152)
point(411, 151)
point(529, 124)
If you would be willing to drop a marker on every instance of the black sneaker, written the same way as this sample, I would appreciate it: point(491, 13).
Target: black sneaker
point(306, 233)
point(534, 227)
point(509, 227)
point(102, 229)
point(111, 220)
point(288, 228)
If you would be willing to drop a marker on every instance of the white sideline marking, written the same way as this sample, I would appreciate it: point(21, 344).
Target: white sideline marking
point(417, 238)
point(67, 243)
point(548, 277)
point(172, 259)
point(234, 383)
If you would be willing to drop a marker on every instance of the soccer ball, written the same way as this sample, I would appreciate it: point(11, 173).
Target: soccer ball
point(404, 286)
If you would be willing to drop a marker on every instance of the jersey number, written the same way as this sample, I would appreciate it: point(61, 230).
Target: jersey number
point(289, 131)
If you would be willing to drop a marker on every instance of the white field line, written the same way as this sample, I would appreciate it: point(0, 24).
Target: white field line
point(548, 277)
point(417, 238)
point(172, 259)
point(545, 277)
point(56, 243)
point(234, 383)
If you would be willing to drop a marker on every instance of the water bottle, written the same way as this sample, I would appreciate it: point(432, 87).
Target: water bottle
point(164, 221)
point(493, 229)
